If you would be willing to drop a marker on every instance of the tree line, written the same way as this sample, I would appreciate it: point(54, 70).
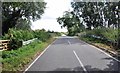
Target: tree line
point(91, 15)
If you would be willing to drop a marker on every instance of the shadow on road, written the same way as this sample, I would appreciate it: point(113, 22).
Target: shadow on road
point(113, 67)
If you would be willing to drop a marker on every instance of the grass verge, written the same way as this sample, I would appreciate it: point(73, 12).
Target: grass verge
point(16, 60)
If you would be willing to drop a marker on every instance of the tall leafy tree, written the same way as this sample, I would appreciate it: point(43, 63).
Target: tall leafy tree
point(71, 21)
point(0, 18)
point(23, 24)
point(97, 13)
point(110, 13)
point(91, 12)
point(118, 13)
point(13, 11)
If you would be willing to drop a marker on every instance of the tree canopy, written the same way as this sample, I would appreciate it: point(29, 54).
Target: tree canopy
point(98, 14)
point(71, 21)
point(13, 12)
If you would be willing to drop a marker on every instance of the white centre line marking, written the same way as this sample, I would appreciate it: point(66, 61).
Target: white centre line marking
point(69, 42)
point(80, 62)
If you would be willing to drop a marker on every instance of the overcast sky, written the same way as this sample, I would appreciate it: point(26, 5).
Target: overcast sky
point(55, 8)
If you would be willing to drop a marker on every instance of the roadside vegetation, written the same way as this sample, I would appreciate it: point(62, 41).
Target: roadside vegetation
point(17, 36)
point(95, 22)
point(104, 38)
point(16, 27)
point(18, 55)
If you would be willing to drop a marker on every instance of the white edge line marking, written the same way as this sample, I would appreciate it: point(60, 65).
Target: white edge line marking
point(69, 42)
point(38, 57)
point(105, 53)
point(80, 61)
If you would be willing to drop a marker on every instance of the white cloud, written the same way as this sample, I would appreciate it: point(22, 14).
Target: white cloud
point(48, 24)
point(55, 9)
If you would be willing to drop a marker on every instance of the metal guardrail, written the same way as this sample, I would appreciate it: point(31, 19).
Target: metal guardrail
point(105, 40)
point(5, 44)
point(28, 42)
point(102, 38)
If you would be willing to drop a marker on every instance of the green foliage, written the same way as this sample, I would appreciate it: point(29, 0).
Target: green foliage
point(17, 36)
point(12, 12)
point(16, 60)
point(42, 35)
point(98, 15)
point(108, 33)
point(57, 33)
point(93, 13)
point(72, 22)
point(106, 36)
point(15, 44)
point(23, 24)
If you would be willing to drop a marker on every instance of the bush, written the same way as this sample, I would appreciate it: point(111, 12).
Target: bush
point(42, 35)
point(107, 36)
point(108, 33)
point(15, 44)
point(17, 36)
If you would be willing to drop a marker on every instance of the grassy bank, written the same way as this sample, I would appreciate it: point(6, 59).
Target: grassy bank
point(16, 60)
point(106, 37)
point(103, 38)
point(97, 43)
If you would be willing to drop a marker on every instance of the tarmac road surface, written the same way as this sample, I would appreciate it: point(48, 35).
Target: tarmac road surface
point(71, 54)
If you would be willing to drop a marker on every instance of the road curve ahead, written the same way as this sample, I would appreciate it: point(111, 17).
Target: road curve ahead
point(71, 54)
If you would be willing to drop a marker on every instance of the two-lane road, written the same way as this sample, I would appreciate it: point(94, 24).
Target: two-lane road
point(71, 54)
